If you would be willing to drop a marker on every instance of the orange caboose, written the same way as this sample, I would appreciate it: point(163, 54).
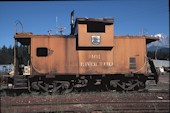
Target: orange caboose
point(90, 55)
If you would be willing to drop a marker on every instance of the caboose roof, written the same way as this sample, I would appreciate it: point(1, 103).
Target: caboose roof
point(25, 37)
point(149, 39)
point(106, 21)
point(103, 20)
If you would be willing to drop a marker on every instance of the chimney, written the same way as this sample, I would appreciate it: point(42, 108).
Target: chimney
point(72, 22)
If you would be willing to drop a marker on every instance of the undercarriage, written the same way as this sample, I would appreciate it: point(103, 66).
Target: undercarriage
point(66, 83)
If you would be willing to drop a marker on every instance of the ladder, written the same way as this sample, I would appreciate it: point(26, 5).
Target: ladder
point(153, 70)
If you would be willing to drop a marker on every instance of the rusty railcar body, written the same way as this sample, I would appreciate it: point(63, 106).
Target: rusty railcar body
point(91, 55)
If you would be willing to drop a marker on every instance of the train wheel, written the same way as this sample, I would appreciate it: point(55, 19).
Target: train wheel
point(126, 85)
point(141, 86)
point(132, 85)
point(34, 88)
point(110, 88)
point(62, 87)
point(112, 85)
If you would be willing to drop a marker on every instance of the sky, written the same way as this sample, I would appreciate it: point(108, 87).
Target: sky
point(131, 17)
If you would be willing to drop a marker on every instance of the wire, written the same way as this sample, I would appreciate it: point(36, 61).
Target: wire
point(142, 65)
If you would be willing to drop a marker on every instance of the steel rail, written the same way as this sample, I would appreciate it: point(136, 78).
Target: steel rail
point(96, 102)
point(134, 108)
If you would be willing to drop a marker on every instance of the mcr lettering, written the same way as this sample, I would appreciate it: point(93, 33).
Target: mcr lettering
point(94, 64)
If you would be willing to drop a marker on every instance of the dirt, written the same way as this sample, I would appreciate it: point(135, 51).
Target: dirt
point(80, 101)
point(165, 78)
point(163, 83)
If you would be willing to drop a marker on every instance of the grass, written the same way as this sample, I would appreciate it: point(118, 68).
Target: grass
point(3, 93)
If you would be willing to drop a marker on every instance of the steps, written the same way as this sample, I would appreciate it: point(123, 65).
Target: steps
point(154, 71)
point(20, 82)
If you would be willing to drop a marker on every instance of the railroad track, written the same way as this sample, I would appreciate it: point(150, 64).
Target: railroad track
point(153, 100)
point(88, 107)
point(156, 90)
point(147, 90)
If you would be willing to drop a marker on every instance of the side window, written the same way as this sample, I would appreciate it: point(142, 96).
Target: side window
point(132, 60)
point(132, 63)
point(42, 52)
point(95, 27)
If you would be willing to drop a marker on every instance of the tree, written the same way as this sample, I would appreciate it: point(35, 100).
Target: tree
point(6, 55)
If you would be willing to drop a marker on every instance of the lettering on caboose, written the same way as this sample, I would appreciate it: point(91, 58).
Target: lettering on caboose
point(95, 61)
point(95, 56)
point(94, 64)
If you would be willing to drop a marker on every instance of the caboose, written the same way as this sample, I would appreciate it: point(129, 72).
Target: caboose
point(89, 56)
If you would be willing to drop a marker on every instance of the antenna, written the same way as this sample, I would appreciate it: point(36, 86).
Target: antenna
point(143, 31)
point(56, 23)
point(59, 28)
point(16, 23)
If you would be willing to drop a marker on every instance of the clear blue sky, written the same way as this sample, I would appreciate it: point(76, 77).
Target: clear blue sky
point(130, 16)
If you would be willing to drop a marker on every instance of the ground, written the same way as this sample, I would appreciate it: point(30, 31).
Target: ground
point(95, 102)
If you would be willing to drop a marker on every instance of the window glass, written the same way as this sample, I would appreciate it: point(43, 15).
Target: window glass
point(132, 66)
point(132, 62)
point(42, 52)
point(95, 27)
